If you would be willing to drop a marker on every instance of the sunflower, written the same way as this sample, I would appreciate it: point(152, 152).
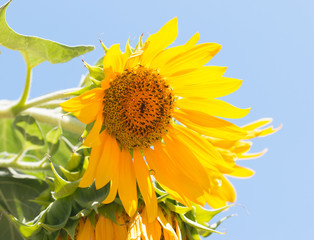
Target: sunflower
point(156, 113)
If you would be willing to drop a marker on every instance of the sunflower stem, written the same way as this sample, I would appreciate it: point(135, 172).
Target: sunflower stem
point(55, 118)
point(50, 97)
point(31, 166)
point(19, 106)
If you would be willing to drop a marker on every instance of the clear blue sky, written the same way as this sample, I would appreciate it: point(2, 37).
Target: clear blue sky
point(269, 44)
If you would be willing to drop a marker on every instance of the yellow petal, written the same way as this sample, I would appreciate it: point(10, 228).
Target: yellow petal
point(113, 63)
point(127, 184)
point(160, 40)
point(166, 225)
point(212, 107)
point(194, 57)
point(259, 123)
point(93, 136)
point(241, 172)
point(86, 106)
point(164, 56)
point(184, 160)
point(153, 229)
point(193, 40)
point(212, 89)
point(201, 75)
point(107, 162)
point(166, 173)
point(251, 155)
point(90, 173)
point(104, 229)
point(208, 155)
point(86, 231)
point(145, 185)
point(209, 125)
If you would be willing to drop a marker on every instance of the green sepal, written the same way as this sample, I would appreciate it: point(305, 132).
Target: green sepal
point(95, 72)
point(43, 234)
point(53, 140)
point(89, 197)
point(92, 218)
point(74, 161)
point(109, 211)
point(197, 225)
point(63, 188)
point(44, 198)
point(57, 214)
point(82, 213)
point(37, 50)
point(176, 207)
point(215, 225)
point(71, 176)
point(203, 215)
point(70, 227)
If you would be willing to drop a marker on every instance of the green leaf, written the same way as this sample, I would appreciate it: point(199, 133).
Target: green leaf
point(36, 50)
point(8, 230)
point(30, 130)
point(16, 194)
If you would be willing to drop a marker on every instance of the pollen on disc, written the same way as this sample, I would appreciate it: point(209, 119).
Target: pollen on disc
point(138, 107)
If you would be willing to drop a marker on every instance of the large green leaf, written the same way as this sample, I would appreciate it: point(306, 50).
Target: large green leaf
point(16, 192)
point(36, 50)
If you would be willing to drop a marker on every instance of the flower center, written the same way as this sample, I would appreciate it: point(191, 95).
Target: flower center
point(137, 107)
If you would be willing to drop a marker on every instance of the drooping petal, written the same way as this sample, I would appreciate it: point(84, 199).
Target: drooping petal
point(167, 174)
point(94, 159)
point(167, 227)
point(209, 125)
point(108, 162)
point(127, 183)
point(93, 136)
point(145, 184)
point(153, 229)
point(208, 155)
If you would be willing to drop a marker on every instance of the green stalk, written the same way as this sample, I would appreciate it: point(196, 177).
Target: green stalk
point(19, 106)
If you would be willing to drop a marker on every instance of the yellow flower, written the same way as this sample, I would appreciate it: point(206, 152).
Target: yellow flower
point(151, 113)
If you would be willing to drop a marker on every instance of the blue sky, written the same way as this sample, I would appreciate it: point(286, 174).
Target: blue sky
point(268, 44)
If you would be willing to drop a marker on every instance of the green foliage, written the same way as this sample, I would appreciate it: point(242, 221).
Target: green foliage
point(30, 130)
point(37, 50)
point(16, 192)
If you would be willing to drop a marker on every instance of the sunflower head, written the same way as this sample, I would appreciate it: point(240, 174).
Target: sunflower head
point(137, 107)
point(156, 111)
